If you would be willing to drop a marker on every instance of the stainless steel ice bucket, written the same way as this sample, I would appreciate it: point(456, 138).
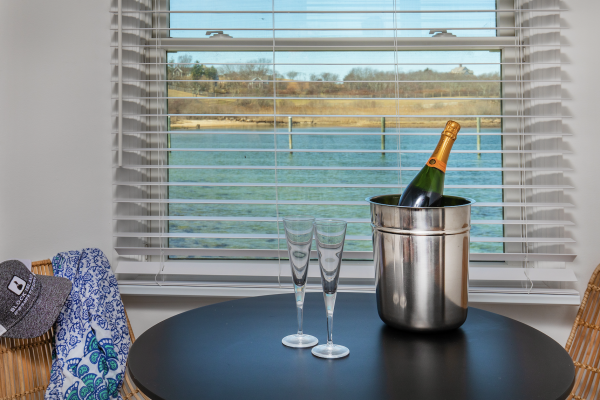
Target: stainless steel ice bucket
point(421, 262)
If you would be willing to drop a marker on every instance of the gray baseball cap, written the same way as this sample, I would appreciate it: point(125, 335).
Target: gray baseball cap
point(29, 303)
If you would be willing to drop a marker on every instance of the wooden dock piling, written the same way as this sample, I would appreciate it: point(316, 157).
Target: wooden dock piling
point(290, 124)
point(383, 136)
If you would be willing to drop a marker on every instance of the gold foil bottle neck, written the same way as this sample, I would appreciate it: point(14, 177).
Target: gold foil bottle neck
point(451, 129)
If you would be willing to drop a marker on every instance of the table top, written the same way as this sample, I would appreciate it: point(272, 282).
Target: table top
point(233, 350)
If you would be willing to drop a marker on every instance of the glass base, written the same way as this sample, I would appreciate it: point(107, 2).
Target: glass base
point(300, 341)
point(330, 351)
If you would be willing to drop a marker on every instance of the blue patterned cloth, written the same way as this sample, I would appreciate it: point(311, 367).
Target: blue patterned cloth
point(92, 339)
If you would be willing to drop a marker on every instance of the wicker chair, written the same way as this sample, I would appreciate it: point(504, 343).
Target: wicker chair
point(25, 363)
point(583, 344)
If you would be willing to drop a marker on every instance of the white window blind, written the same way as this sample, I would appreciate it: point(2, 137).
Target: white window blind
point(229, 116)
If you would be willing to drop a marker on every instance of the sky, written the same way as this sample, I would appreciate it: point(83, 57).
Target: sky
point(358, 25)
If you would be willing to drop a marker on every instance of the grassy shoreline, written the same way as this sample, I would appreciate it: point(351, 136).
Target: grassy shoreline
point(179, 123)
point(186, 103)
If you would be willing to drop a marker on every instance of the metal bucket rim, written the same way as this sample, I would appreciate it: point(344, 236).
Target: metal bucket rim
point(469, 202)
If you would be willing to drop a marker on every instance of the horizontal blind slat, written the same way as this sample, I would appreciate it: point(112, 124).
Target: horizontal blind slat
point(294, 150)
point(504, 10)
point(348, 237)
point(533, 62)
point(391, 132)
point(354, 185)
point(479, 28)
point(555, 257)
point(550, 116)
point(314, 202)
point(349, 220)
point(223, 46)
point(339, 98)
point(541, 80)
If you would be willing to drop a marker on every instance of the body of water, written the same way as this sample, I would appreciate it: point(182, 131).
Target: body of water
point(349, 139)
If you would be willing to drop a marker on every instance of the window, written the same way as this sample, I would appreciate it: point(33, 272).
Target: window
point(237, 114)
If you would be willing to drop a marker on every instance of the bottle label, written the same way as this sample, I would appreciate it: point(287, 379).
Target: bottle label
point(437, 163)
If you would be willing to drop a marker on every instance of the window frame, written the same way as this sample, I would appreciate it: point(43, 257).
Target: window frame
point(247, 275)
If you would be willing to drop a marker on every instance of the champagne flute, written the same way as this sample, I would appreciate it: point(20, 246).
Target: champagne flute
point(299, 236)
point(330, 235)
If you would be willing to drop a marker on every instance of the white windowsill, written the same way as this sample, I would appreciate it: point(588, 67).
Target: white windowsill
point(244, 280)
point(478, 271)
point(562, 297)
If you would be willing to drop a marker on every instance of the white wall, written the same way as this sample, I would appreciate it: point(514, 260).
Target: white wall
point(55, 160)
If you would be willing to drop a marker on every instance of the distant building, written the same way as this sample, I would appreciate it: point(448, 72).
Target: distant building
point(177, 72)
point(461, 70)
point(256, 83)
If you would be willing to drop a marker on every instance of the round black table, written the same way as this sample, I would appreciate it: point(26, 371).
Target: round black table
point(233, 350)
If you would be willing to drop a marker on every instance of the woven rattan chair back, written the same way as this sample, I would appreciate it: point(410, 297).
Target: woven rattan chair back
point(583, 344)
point(25, 363)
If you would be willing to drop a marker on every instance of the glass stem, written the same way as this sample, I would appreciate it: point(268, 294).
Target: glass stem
point(300, 309)
point(299, 293)
point(330, 329)
point(329, 305)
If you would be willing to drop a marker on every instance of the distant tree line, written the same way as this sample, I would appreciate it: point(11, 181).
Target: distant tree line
point(185, 70)
point(359, 82)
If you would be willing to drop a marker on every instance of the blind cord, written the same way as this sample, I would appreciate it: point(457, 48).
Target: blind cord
point(397, 95)
point(161, 155)
point(519, 34)
point(275, 144)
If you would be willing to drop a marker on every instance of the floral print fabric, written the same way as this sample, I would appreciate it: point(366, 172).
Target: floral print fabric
point(92, 338)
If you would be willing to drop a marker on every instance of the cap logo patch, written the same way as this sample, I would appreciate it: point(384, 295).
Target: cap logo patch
point(16, 285)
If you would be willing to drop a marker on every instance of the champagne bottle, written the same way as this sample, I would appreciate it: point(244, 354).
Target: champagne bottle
point(427, 187)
